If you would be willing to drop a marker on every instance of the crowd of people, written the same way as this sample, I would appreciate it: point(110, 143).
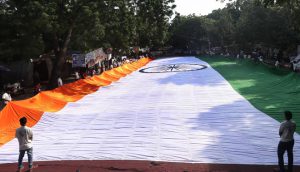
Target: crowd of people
point(81, 73)
point(275, 57)
point(13, 90)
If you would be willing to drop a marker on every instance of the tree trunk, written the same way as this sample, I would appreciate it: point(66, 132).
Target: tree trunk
point(57, 69)
point(60, 54)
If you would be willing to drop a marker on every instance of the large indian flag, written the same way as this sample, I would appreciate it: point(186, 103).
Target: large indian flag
point(175, 109)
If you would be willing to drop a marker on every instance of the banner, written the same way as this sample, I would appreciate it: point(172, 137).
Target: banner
point(88, 60)
point(78, 60)
point(95, 57)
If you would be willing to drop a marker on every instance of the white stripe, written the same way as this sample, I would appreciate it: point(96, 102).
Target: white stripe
point(182, 117)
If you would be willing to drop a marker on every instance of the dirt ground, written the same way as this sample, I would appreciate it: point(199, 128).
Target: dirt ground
point(138, 166)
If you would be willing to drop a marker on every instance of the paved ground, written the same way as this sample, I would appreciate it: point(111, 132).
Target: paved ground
point(138, 166)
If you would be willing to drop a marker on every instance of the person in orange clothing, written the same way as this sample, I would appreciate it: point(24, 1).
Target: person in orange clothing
point(24, 135)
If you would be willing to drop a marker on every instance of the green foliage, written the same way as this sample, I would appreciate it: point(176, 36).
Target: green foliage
point(17, 35)
point(188, 32)
point(224, 25)
point(152, 17)
point(260, 25)
point(30, 28)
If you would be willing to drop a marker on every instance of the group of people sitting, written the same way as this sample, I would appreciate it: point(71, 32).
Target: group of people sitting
point(105, 65)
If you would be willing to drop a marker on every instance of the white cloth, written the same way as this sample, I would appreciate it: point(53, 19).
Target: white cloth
point(287, 129)
point(24, 136)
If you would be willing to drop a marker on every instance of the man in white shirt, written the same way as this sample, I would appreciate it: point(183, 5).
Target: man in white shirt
point(286, 133)
point(77, 77)
point(24, 136)
point(6, 98)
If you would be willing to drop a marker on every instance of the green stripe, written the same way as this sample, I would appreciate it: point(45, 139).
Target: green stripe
point(269, 89)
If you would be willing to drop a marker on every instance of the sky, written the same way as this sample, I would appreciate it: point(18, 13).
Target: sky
point(203, 7)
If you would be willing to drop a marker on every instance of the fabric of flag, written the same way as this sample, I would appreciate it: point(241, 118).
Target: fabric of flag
point(175, 113)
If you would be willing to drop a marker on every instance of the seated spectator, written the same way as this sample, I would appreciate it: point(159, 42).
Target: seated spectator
point(277, 63)
point(77, 77)
point(17, 89)
point(260, 58)
point(93, 72)
point(37, 88)
point(98, 71)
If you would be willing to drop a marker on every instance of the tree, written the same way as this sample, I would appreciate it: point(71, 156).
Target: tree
point(18, 38)
point(31, 28)
point(152, 17)
point(293, 8)
point(224, 22)
point(52, 24)
point(188, 32)
point(119, 24)
point(244, 24)
point(266, 26)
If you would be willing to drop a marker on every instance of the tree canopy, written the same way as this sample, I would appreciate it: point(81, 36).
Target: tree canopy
point(243, 24)
point(30, 28)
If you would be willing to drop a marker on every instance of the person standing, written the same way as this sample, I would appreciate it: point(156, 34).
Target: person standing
point(59, 81)
point(286, 143)
point(77, 77)
point(24, 135)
